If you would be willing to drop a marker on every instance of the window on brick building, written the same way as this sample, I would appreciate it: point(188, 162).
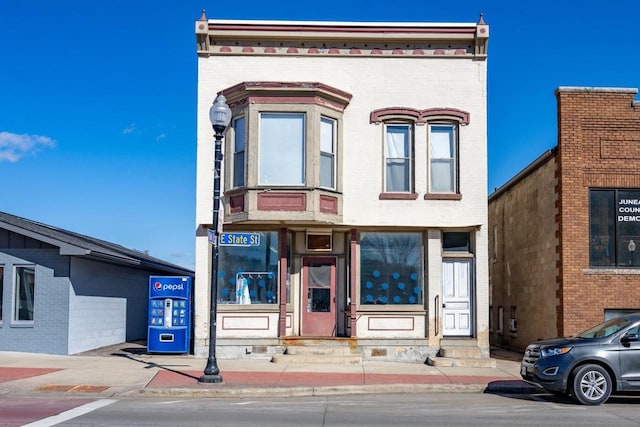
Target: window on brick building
point(24, 292)
point(1, 291)
point(614, 228)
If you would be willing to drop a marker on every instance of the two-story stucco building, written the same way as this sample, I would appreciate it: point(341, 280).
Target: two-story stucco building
point(357, 153)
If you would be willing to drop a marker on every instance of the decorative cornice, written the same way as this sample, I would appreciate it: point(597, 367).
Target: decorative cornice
point(285, 38)
point(419, 116)
point(287, 93)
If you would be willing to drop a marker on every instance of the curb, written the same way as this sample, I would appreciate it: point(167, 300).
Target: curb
point(255, 392)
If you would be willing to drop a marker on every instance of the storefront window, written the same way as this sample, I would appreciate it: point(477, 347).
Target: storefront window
point(614, 228)
point(391, 268)
point(249, 274)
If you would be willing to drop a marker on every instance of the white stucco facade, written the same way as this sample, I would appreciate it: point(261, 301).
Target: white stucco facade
point(416, 74)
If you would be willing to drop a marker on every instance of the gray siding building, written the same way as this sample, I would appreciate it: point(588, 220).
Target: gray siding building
point(65, 293)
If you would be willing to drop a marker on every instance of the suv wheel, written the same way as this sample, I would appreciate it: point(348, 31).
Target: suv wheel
point(591, 385)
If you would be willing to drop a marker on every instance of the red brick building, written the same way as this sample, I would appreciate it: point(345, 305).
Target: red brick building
point(566, 229)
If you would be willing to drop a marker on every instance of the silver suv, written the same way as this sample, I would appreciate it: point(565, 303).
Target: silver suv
point(589, 366)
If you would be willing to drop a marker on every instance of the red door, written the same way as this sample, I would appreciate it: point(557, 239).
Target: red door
point(318, 297)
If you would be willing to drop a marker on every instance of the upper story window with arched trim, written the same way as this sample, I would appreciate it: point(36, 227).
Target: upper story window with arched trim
point(442, 171)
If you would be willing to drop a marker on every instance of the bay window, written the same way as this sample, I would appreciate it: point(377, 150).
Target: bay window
point(284, 159)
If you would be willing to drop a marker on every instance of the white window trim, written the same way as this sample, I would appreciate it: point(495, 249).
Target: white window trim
point(410, 153)
point(456, 162)
point(15, 293)
point(334, 127)
point(305, 119)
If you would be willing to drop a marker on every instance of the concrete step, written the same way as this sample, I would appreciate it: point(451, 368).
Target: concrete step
point(343, 359)
point(464, 352)
point(439, 361)
point(314, 350)
point(458, 342)
point(461, 362)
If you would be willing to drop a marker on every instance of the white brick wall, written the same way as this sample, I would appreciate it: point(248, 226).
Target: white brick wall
point(96, 322)
point(375, 82)
point(418, 83)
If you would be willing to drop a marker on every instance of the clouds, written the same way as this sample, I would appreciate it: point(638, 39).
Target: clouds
point(133, 129)
point(13, 146)
point(129, 129)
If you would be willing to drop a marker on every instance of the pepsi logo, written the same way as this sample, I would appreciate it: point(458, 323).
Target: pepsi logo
point(157, 286)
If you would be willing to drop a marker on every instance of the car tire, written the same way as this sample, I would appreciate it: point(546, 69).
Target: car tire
point(591, 385)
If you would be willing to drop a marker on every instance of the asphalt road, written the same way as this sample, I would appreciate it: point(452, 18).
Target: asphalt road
point(437, 409)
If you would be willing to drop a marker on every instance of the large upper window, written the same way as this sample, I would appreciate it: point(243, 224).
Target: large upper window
point(327, 153)
point(391, 268)
point(249, 274)
point(285, 136)
point(443, 159)
point(398, 158)
point(24, 294)
point(282, 149)
point(238, 152)
point(614, 228)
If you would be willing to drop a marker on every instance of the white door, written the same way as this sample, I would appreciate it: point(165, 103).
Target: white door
point(456, 302)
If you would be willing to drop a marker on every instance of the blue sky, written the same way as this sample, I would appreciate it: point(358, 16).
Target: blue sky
point(97, 99)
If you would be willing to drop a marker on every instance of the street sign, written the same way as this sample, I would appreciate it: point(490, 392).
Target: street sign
point(211, 236)
point(239, 239)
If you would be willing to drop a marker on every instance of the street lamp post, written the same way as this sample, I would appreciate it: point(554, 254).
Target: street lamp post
point(220, 116)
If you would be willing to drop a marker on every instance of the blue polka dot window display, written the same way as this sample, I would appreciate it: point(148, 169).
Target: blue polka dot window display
point(391, 267)
point(392, 289)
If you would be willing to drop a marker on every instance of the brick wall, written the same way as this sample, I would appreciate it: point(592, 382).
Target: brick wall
point(598, 147)
point(523, 255)
point(48, 332)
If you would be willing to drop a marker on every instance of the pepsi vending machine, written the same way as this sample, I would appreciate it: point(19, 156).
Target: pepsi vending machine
point(169, 329)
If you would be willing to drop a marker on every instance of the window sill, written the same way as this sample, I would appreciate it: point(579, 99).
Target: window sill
point(611, 270)
point(391, 308)
point(248, 307)
point(438, 196)
point(398, 196)
point(22, 325)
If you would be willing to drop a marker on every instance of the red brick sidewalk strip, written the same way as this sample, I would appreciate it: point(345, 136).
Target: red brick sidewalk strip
point(12, 374)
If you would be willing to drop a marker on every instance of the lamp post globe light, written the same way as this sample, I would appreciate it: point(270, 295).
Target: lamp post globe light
point(220, 116)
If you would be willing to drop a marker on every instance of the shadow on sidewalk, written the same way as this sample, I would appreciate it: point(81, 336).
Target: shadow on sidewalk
point(150, 365)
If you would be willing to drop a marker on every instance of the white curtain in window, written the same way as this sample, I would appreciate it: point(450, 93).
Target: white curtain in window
point(397, 158)
point(441, 149)
point(282, 148)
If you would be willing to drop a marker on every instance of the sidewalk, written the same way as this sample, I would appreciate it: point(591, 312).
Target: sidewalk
point(131, 372)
